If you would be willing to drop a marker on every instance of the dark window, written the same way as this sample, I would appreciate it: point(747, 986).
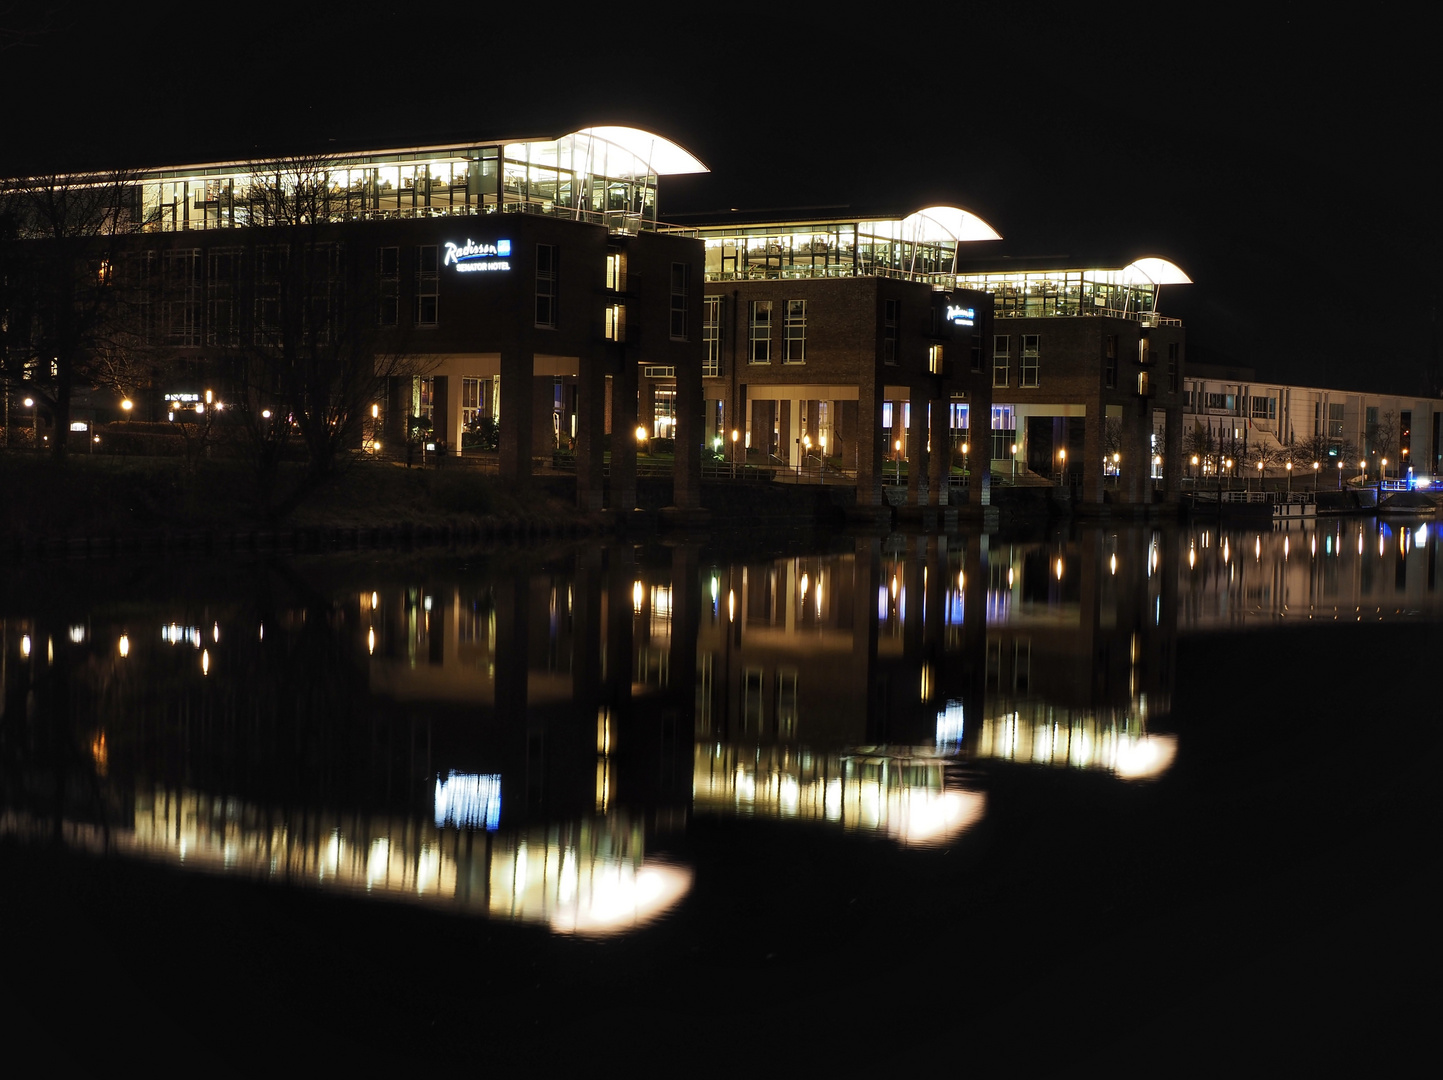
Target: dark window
point(546, 285)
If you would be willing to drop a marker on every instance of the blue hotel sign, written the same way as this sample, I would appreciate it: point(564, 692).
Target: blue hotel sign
point(472, 257)
point(961, 316)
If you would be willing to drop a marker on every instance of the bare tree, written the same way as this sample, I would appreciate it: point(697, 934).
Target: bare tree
point(306, 356)
point(58, 245)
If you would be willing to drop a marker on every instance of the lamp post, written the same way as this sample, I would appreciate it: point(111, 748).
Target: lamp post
point(897, 446)
point(822, 440)
point(1014, 463)
point(34, 422)
point(735, 435)
point(1062, 457)
point(1191, 466)
point(1260, 474)
point(1340, 476)
point(1289, 467)
point(1316, 466)
point(806, 448)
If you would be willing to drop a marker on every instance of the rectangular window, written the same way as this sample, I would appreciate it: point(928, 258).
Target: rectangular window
point(1265, 408)
point(794, 333)
point(890, 319)
point(616, 271)
point(221, 284)
point(1004, 431)
point(182, 296)
point(1173, 372)
point(470, 402)
point(427, 306)
point(1335, 421)
point(616, 322)
point(711, 333)
point(760, 351)
point(1027, 370)
point(934, 359)
point(680, 292)
point(388, 285)
point(546, 283)
point(1001, 359)
point(976, 354)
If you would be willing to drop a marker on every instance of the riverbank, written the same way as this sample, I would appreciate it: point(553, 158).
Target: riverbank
point(137, 504)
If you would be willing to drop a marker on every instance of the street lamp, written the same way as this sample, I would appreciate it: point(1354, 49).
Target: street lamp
point(806, 448)
point(1340, 475)
point(34, 422)
point(1316, 467)
point(1014, 463)
point(735, 435)
point(897, 446)
point(1289, 467)
point(822, 440)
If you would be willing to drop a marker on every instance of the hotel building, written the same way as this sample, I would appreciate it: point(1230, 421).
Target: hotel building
point(526, 279)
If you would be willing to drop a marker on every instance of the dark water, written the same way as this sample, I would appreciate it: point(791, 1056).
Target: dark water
point(1115, 797)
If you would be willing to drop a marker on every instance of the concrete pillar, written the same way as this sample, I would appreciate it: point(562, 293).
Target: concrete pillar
point(869, 441)
point(690, 435)
point(787, 434)
point(1136, 483)
point(917, 449)
point(1172, 454)
point(514, 456)
point(939, 461)
point(623, 435)
point(590, 427)
point(1094, 445)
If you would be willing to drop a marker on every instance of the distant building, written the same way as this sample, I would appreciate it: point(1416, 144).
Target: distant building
point(885, 337)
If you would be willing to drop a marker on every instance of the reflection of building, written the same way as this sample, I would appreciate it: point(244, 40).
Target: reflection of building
point(591, 876)
point(900, 793)
point(1081, 648)
point(1338, 570)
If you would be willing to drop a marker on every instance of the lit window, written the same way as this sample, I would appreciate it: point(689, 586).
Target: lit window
point(615, 322)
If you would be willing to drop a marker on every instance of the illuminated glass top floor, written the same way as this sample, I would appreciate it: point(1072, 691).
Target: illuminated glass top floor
point(928, 245)
point(602, 175)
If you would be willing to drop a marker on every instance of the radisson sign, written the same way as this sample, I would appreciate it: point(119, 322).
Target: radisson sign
point(472, 257)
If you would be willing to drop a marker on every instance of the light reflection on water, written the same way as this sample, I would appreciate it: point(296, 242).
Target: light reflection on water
point(529, 745)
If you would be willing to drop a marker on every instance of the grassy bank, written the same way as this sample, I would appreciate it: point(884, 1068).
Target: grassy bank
point(81, 497)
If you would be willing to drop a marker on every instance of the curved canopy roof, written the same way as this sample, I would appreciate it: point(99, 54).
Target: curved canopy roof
point(943, 223)
point(664, 157)
point(1154, 271)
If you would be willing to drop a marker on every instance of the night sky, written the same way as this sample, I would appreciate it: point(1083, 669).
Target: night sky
point(1286, 163)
